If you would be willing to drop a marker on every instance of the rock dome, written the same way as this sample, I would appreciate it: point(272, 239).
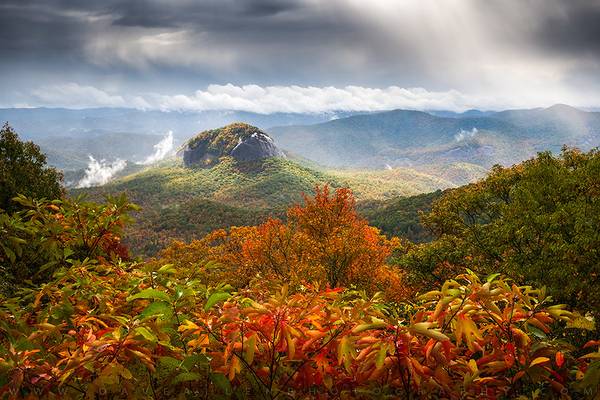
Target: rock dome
point(241, 141)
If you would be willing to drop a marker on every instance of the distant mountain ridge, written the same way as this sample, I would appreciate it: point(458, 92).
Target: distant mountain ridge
point(397, 138)
point(414, 138)
point(132, 132)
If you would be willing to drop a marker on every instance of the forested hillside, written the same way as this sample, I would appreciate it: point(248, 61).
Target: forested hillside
point(173, 197)
point(216, 186)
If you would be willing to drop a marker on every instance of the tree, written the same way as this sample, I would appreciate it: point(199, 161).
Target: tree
point(323, 240)
point(536, 222)
point(23, 170)
point(336, 239)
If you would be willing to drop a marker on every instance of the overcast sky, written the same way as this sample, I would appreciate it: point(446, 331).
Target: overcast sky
point(300, 55)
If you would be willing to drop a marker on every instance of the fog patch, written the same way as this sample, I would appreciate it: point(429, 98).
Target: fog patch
point(465, 135)
point(99, 173)
point(161, 150)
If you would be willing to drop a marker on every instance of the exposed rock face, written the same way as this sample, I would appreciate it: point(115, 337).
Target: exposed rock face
point(240, 141)
point(259, 145)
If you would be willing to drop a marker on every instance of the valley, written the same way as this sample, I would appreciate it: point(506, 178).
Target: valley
point(187, 201)
point(382, 157)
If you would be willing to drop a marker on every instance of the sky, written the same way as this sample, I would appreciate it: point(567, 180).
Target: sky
point(300, 55)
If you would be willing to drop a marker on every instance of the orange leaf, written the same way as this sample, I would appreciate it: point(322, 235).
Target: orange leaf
point(591, 343)
point(559, 358)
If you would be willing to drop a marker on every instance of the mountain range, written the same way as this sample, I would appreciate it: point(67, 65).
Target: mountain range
point(394, 138)
point(383, 157)
point(236, 175)
point(417, 139)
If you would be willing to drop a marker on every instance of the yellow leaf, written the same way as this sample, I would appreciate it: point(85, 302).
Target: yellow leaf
point(290, 344)
point(188, 326)
point(365, 327)
point(473, 366)
point(380, 357)
point(539, 360)
point(423, 329)
point(250, 347)
point(235, 367)
point(345, 353)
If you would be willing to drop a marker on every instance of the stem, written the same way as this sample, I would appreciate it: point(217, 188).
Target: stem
point(335, 335)
point(447, 323)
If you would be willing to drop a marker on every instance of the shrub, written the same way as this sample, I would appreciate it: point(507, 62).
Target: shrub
point(118, 330)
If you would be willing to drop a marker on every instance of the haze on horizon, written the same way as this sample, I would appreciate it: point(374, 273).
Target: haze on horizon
point(300, 55)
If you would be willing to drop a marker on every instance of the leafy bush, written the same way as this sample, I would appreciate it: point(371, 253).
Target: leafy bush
point(127, 330)
point(104, 326)
point(323, 240)
point(47, 235)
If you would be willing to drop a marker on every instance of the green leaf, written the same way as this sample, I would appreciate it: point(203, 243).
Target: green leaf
point(157, 308)
point(9, 253)
point(186, 377)
point(195, 360)
point(150, 294)
point(537, 332)
point(221, 382)
point(46, 266)
point(491, 277)
point(169, 363)
point(146, 333)
point(214, 299)
point(167, 269)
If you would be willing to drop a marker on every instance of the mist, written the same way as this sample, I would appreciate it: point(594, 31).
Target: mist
point(99, 173)
point(161, 150)
point(464, 134)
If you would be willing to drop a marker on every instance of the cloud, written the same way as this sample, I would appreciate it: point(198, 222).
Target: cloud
point(310, 99)
point(99, 173)
point(264, 100)
point(161, 149)
point(74, 95)
point(494, 49)
point(296, 99)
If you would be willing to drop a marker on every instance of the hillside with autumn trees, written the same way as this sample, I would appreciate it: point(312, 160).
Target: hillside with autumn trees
point(501, 303)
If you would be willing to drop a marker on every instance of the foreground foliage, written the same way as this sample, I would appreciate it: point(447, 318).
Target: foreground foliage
point(123, 330)
point(103, 326)
point(45, 236)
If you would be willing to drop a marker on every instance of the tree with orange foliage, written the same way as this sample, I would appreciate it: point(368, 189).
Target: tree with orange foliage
point(337, 240)
point(323, 240)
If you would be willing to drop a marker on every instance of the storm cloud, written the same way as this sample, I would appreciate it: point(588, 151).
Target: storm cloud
point(161, 53)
